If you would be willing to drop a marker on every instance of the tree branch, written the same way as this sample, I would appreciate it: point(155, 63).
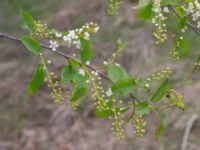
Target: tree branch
point(189, 24)
point(68, 57)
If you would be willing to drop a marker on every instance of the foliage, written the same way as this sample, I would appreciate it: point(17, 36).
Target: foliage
point(117, 103)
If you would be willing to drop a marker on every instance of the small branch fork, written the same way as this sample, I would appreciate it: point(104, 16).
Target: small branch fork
point(189, 24)
point(66, 56)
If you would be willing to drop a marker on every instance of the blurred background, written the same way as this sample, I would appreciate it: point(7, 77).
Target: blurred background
point(36, 123)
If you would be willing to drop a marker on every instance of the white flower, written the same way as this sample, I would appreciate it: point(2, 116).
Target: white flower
point(109, 92)
point(58, 35)
point(87, 63)
point(72, 34)
point(96, 29)
point(86, 36)
point(53, 45)
point(156, 10)
point(77, 44)
point(96, 73)
point(68, 40)
point(182, 30)
point(117, 64)
point(166, 10)
point(147, 85)
point(81, 72)
point(105, 62)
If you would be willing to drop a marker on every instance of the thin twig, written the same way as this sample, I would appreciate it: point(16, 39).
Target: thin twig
point(68, 57)
point(193, 27)
point(187, 131)
point(134, 97)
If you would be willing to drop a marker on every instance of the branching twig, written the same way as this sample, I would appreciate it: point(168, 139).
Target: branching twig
point(68, 57)
point(189, 24)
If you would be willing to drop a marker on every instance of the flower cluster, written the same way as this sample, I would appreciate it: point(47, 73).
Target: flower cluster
point(159, 21)
point(139, 125)
point(113, 6)
point(52, 82)
point(174, 55)
point(72, 37)
point(158, 76)
point(81, 72)
point(193, 9)
point(41, 30)
point(53, 45)
point(117, 123)
point(98, 92)
point(105, 102)
point(109, 92)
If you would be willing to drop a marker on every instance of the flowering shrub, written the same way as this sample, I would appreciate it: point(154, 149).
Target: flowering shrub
point(115, 101)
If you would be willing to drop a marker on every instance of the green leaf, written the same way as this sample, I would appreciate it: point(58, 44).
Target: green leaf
point(67, 74)
point(169, 2)
point(79, 92)
point(180, 11)
point(74, 64)
point(31, 44)
point(161, 91)
point(176, 99)
point(80, 80)
point(145, 13)
point(189, 1)
point(123, 87)
point(105, 113)
point(182, 23)
point(116, 73)
point(86, 52)
point(37, 80)
point(160, 126)
point(143, 108)
point(27, 20)
point(183, 47)
point(109, 110)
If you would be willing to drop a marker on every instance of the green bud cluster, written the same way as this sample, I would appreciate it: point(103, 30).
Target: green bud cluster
point(98, 92)
point(41, 30)
point(139, 125)
point(159, 75)
point(90, 27)
point(174, 55)
point(113, 6)
point(52, 82)
point(117, 123)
